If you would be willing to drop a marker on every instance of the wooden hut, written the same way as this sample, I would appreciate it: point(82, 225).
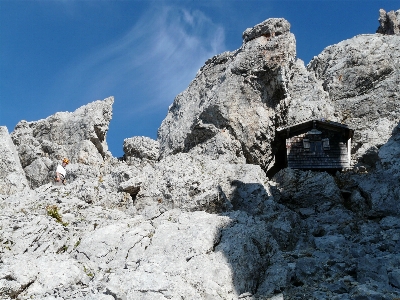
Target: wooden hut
point(316, 144)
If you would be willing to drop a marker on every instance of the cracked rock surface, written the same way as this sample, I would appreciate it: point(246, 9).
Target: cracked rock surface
point(362, 78)
point(193, 215)
point(12, 176)
point(79, 135)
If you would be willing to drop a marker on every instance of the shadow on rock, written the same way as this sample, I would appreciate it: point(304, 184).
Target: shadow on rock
point(252, 243)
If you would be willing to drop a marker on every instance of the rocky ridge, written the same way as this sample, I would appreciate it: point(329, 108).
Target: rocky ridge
point(193, 214)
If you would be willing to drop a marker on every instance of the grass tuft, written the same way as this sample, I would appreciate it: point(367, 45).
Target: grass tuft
point(52, 211)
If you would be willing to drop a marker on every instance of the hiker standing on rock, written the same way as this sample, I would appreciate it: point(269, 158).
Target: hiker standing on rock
point(61, 172)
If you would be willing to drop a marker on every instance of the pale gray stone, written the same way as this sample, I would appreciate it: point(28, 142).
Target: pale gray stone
point(389, 153)
point(389, 22)
point(138, 148)
point(269, 28)
point(79, 136)
point(39, 171)
point(362, 78)
point(390, 222)
point(369, 268)
point(12, 176)
point(301, 189)
point(276, 278)
point(306, 97)
point(195, 182)
point(202, 220)
point(381, 188)
point(329, 242)
point(234, 104)
point(29, 277)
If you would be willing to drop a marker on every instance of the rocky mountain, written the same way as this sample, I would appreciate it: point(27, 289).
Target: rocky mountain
point(203, 212)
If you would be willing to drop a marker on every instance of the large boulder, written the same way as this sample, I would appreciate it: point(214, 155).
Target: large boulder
point(389, 154)
point(38, 276)
point(139, 148)
point(306, 189)
point(40, 229)
point(307, 98)
point(269, 28)
point(80, 136)
point(12, 176)
point(105, 251)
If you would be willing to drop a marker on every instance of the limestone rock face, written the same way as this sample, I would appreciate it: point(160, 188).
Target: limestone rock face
point(389, 22)
point(381, 187)
point(362, 78)
point(94, 248)
point(138, 148)
point(193, 214)
point(390, 152)
point(195, 182)
point(12, 176)
point(306, 97)
point(301, 189)
point(238, 99)
point(79, 135)
point(196, 246)
point(271, 27)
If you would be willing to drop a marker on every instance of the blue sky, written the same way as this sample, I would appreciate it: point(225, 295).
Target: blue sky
point(62, 54)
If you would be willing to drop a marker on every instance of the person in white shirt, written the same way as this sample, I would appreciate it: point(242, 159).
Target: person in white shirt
point(61, 172)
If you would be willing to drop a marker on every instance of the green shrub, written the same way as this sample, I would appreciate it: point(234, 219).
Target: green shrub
point(52, 211)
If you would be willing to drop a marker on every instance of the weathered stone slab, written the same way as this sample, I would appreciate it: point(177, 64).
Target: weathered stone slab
point(12, 176)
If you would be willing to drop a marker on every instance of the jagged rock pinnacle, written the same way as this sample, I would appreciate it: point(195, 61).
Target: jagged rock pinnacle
point(389, 22)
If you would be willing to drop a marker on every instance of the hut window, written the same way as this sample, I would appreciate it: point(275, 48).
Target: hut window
point(325, 144)
point(306, 144)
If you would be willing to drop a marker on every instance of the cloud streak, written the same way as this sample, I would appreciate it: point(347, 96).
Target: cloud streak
point(152, 62)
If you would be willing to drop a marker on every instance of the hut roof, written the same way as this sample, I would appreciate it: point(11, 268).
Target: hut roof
point(319, 123)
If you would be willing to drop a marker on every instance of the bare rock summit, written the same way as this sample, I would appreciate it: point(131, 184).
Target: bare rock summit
point(389, 22)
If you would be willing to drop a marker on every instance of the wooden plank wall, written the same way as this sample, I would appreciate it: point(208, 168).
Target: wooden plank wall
point(334, 158)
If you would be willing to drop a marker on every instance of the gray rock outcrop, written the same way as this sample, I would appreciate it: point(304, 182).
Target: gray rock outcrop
point(195, 182)
point(306, 189)
point(12, 176)
point(362, 77)
point(237, 100)
point(79, 135)
point(381, 188)
point(193, 214)
point(269, 28)
point(139, 148)
point(389, 22)
point(389, 153)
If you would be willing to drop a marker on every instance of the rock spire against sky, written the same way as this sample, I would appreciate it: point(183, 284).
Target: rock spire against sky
point(59, 55)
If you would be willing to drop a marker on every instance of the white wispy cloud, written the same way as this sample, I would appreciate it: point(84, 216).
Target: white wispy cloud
point(152, 62)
